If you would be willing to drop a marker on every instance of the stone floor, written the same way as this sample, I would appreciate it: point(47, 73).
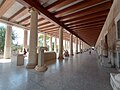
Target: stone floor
point(80, 72)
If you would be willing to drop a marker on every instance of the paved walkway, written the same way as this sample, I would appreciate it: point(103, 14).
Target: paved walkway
point(80, 72)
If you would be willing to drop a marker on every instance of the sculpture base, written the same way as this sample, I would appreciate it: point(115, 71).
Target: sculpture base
point(41, 68)
point(30, 66)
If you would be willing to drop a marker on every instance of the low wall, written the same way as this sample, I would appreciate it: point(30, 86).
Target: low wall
point(49, 56)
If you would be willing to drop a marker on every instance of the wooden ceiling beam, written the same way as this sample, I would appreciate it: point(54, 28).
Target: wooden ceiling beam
point(80, 23)
point(91, 24)
point(42, 10)
point(5, 6)
point(25, 19)
point(86, 17)
point(49, 27)
point(58, 4)
point(94, 9)
point(57, 33)
point(41, 19)
point(97, 22)
point(78, 6)
point(87, 26)
point(57, 30)
point(52, 30)
point(88, 20)
point(19, 14)
point(44, 23)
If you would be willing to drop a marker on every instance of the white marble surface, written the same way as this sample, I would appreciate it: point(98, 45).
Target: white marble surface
point(114, 79)
point(78, 72)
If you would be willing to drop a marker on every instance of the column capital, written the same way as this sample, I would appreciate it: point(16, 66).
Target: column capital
point(9, 25)
point(33, 9)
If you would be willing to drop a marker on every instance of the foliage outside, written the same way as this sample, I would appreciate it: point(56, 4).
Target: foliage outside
point(2, 38)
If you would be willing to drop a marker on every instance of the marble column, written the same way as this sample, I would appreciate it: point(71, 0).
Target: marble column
point(60, 43)
point(32, 60)
point(25, 39)
point(55, 45)
point(65, 44)
point(71, 44)
point(50, 43)
point(80, 46)
point(8, 41)
point(44, 40)
point(68, 45)
point(76, 45)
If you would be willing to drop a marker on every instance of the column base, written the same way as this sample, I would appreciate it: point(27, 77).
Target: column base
point(77, 53)
point(72, 54)
point(30, 66)
point(41, 68)
point(60, 57)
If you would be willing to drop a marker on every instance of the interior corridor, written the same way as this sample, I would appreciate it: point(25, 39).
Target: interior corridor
point(79, 72)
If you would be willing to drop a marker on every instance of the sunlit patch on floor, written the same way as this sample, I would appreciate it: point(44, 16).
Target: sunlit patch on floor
point(5, 60)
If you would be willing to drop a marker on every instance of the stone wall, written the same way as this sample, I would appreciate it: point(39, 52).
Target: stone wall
point(109, 29)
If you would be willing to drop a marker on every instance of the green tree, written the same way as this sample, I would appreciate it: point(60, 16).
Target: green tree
point(40, 40)
point(2, 37)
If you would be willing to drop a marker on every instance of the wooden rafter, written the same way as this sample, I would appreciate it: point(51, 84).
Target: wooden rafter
point(80, 23)
point(91, 24)
point(39, 7)
point(6, 5)
point(25, 19)
point(13, 16)
point(88, 21)
point(79, 28)
point(58, 4)
point(44, 23)
point(19, 14)
point(48, 27)
point(91, 10)
point(89, 16)
point(78, 6)
point(49, 30)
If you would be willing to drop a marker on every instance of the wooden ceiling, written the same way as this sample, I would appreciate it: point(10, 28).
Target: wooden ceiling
point(83, 18)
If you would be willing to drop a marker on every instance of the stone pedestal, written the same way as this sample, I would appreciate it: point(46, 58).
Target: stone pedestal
point(41, 67)
point(20, 59)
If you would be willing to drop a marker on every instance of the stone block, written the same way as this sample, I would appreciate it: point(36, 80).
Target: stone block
point(20, 59)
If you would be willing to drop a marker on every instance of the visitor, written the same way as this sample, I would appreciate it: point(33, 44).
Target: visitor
point(90, 52)
point(25, 51)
